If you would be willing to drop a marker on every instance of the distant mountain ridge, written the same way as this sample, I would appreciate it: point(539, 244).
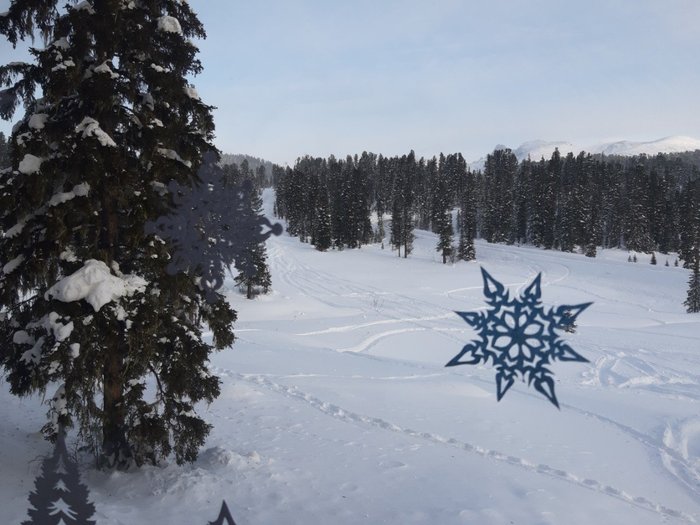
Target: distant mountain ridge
point(536, 149)
point(253, 162)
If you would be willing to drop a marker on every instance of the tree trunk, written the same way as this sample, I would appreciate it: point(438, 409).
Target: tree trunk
point(249, 290)
point(116, 452)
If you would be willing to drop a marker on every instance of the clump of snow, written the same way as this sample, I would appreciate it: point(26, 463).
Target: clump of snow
point(169, 24)
point(160, 69)
point(38, 120)
point(85, 5)
point(61, 43)
point(21, 337)
point(13, 265)
point(68, 255)
point(172, 154)
point(30, 164)
point(89, 127)
point(96, 284)
point(63, 65)
point(192, 93)
point(79, 190)
point(147, 100)
point(61, 331)
point(104, 68)
point(16, 229)
point(33, 355)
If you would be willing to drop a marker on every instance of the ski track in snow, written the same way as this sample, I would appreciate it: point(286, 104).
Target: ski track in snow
point(677, 452)
point(332, 410)
point(322, 285)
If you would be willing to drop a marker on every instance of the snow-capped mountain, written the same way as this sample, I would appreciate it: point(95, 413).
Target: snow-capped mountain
point(536, 149)
point(675, 144)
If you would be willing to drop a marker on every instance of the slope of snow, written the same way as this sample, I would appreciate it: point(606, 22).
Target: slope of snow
point(676, 144)
point(336, 407)
point(536, 149)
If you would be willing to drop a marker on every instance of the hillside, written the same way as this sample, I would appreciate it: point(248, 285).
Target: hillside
point(336, 407)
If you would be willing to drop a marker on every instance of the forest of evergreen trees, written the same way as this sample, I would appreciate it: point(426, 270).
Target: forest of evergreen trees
point(569, 203)
point(329, 202)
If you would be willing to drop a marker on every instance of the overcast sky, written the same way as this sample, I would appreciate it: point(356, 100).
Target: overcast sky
point(294, 77)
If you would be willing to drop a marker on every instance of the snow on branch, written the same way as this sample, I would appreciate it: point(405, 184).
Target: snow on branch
point(95, 284)
point(89, 127)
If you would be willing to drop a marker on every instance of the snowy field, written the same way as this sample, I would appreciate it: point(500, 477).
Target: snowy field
point(336, 407)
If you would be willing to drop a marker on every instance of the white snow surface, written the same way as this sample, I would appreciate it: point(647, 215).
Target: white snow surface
point(336, 407)
point(95, 284)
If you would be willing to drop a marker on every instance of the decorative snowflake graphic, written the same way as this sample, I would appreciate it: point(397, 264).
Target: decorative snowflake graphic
point(210, 225)
point(520, 337)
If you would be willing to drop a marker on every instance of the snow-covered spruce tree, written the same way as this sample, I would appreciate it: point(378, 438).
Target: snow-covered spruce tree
point(85, 298)
point(692, 302)
point(323, 219)
point(467, 218)
point(254, 274)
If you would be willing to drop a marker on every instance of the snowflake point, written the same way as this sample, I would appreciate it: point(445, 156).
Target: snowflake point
point(534, 290)
point(492, 288)
point(471, 318)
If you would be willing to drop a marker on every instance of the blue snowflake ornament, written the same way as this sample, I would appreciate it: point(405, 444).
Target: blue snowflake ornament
point(519, 337)
point(209, 226)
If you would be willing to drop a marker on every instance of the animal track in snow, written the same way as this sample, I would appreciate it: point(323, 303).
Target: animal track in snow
point(348, 416)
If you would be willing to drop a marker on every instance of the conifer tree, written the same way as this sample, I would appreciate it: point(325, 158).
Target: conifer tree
point(442, 198)
point(692, 302)
point(323, 220)
point(467, 216)
point(445, 233)
point(116, 122)
point(254, 274)
point(653, 258)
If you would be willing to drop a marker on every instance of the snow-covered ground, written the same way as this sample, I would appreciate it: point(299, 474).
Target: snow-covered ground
point(336, 407)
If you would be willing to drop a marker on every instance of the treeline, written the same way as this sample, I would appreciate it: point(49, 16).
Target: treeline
point(330, 202)
point(254, 164)
point(568, 203)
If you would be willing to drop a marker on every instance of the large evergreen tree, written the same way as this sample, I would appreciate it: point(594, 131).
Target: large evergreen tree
point(85, 298)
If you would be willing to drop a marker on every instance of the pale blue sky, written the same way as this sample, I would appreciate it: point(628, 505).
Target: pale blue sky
point(319, 77)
